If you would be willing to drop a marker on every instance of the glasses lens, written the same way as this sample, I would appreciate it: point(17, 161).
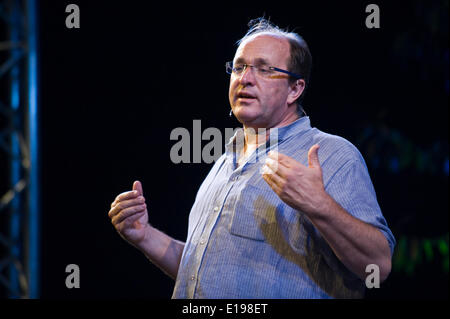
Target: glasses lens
point(264, 71)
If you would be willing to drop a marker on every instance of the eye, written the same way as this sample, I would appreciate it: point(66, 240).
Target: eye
point(238, 68)
point(265, 70)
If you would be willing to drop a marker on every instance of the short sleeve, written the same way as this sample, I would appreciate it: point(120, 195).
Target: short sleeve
point(352, 188)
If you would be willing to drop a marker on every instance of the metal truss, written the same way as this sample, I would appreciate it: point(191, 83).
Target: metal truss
point(19, 188)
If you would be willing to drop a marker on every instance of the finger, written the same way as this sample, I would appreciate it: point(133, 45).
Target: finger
point(125, 196)
point(130, 202)
point(121, 220)
point(126, 223)
point(276, 167)
point(138, 187)
point(127, 212)
point(266, 169)
point(313, 156)
point(280, 158)
point(269, 180)
point(273, 177)
point(125, 204)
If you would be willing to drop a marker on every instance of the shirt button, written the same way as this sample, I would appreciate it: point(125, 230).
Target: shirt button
point(202, 242)
point(216, 209)
point(193, 278)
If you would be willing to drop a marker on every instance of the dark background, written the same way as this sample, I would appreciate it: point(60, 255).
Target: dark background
point(113, 90)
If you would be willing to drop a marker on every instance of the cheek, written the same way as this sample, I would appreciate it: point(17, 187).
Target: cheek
point(231, 89)
point(270, 94)
point(277, 94)
point(273, 98)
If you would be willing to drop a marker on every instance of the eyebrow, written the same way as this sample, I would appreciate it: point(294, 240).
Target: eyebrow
point(258, 61)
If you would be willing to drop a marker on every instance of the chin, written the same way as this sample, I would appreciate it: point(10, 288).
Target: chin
point(246, 116)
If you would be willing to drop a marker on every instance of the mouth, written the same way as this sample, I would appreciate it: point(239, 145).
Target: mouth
point(245, 96)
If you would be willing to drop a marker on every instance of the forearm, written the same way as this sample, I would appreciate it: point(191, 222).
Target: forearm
point(355, 243)
point(162, 250)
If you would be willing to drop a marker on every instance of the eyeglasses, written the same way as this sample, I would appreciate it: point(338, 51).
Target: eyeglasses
point(262, 71)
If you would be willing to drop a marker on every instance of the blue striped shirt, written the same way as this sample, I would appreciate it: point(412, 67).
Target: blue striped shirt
point(245, 242)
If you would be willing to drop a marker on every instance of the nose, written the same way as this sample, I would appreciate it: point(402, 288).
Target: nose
point(247, 77)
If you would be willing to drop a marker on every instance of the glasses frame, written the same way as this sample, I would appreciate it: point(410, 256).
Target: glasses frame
point(229, 65)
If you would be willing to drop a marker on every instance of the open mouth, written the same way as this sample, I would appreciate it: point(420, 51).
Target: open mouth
point(245, 95)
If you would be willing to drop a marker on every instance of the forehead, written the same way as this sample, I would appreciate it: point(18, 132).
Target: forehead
point(264, 47)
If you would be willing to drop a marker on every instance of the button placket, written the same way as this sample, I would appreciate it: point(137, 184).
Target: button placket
point(201, 241)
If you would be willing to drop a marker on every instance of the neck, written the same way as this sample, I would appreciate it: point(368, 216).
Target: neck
point(256, 135)
point(288, 119)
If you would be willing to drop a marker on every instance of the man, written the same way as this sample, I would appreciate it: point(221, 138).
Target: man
point(293, 223)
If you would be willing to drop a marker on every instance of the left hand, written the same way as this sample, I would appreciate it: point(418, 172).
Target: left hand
point(299, 186)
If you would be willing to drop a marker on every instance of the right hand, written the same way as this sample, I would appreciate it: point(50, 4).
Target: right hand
point(129, 215)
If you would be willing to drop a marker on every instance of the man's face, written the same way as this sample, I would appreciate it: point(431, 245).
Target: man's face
point(261, 101)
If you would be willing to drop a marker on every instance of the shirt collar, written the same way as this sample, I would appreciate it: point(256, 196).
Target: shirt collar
point(280, 133)
point(295, 128)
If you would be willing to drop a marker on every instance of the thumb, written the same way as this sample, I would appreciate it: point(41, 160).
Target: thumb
point(313, 156)
point(138, 187)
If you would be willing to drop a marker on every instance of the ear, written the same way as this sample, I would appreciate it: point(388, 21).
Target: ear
point(295, 90)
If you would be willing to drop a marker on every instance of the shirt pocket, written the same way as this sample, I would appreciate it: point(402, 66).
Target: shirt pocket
point(254, 213)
